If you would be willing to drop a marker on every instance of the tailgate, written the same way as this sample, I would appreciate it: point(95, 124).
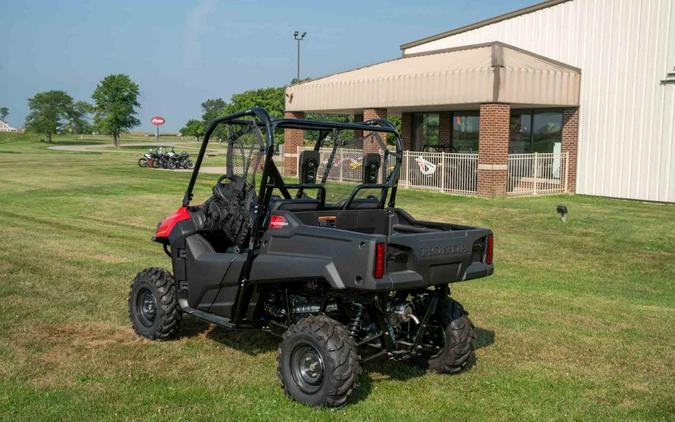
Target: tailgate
point(440, 256)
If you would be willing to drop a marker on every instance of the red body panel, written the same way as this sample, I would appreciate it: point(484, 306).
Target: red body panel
point(167, 224)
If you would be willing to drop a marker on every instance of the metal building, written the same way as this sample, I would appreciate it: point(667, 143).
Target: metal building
point(591, 82)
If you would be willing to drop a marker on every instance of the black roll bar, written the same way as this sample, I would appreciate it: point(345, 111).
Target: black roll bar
point(257, 112)
point(271, 178)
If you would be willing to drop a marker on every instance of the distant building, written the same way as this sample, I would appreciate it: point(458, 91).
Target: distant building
point(590, 83)
point(4, 127)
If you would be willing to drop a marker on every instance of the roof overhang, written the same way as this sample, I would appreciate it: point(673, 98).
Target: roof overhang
point(491, 72)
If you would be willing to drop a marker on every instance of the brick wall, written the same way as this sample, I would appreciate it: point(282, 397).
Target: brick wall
point(444, 127)
point(371, 145)
point(570, 143)
point(293, 138)
point(406, 130)
point(493, 149)
point(358, 134)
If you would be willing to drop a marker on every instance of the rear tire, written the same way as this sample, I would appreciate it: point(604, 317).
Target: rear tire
point(318, 363)
point(456, 337)
point(142, 162)
point(153, 305)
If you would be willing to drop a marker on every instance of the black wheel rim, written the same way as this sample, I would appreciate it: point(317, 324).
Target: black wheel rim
point(307, 368)
point(438, 339)
point(146, 307)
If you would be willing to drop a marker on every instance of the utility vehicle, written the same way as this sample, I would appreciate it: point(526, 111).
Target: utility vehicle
point(342, 282)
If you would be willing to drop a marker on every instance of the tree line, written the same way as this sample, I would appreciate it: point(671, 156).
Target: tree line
point(112, 112)
point(272, 99)
point(115, 101)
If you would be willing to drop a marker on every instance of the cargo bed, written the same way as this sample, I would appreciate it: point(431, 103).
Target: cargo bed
point(341, 246)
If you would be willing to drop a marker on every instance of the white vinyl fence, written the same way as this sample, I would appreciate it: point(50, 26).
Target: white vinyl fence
point(537, 174)
point(438, 171)
point(528, 174)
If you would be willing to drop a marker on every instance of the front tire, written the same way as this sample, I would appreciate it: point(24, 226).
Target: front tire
point(454, 334)
point(142, 162)
point(318, 363)
point(153, 305)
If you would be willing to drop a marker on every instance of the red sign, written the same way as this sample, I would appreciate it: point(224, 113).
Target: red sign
point(157, 121)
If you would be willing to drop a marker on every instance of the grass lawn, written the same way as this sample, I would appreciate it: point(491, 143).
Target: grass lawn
point(578, 321)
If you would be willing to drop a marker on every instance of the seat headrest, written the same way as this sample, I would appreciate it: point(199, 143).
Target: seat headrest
point(301, 204)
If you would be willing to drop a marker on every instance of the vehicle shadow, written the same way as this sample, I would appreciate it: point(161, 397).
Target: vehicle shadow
point(249, 341)
point(384, 370)
point(484, 337)
point(253, 342)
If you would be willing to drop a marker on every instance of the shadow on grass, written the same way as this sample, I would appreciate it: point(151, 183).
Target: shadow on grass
point(484, 338)
point(249, 341)
point(253, 342)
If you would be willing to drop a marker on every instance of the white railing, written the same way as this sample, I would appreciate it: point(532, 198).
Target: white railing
point(537, 174)
point(346, 164)
point(438, 171)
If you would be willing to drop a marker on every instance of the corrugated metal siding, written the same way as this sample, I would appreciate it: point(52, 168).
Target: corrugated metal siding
point(627, 128)
point(446, 78)
point(431, 88)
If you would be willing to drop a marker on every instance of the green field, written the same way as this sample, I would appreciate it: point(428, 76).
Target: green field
point(578, 321)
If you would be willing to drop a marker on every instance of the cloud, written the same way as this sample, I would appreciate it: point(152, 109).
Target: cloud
point(194, 26)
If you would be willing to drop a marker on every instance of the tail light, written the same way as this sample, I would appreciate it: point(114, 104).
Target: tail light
point(277, 222)
point(378, 272)
point(488, 254)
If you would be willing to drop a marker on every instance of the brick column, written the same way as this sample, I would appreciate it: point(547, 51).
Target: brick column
point(293, 138)
point(406, 130)
point(371, 145)
point(493, 149)
point(444, 128)
point(570, 141)
point(358, 134)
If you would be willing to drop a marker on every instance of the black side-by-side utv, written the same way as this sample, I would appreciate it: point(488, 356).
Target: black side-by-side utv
point(341, 281)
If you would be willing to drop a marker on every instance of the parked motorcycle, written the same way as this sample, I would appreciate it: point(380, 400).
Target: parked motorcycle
point(165, 159)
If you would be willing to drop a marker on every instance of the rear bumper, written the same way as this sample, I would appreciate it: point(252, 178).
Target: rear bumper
point(408, 279)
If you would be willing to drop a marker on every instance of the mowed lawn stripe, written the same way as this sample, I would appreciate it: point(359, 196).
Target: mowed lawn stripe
point(577, 322)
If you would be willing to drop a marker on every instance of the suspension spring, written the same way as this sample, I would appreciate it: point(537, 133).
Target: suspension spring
point(355, 323)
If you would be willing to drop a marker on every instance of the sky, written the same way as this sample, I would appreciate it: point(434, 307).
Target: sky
point(184, 52)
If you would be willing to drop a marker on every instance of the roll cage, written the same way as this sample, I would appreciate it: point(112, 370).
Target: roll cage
point(258, 118)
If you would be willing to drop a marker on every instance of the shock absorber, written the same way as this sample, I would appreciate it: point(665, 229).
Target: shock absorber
point(355, 323)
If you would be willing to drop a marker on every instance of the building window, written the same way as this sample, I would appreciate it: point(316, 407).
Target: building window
point(465, 125)
point(520, 132)
point(425, 131)
point(535, 131)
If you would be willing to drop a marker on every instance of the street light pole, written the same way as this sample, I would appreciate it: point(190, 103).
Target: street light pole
point(298, 37)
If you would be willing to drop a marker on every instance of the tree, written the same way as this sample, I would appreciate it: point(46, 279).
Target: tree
point(272, 99)
point(116, 99)
point(79, 118)
point(194, 128)
point(4, 111)
point(49, 112)
point(211, 109)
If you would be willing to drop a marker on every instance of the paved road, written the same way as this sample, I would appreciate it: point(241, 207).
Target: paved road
point(109, 147)
point(125, 148)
